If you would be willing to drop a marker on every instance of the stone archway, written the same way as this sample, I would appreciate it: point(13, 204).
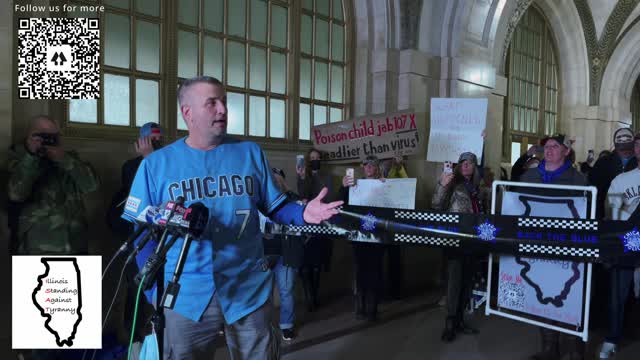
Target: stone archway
point(620, 76)
point(571, 47)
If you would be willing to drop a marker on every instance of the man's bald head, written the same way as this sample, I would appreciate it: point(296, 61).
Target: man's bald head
point(43, 123)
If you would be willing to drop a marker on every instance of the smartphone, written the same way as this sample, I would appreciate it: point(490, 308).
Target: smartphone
point(590, 155)
point(448, 168)
point(350, 172)
point(299, 161)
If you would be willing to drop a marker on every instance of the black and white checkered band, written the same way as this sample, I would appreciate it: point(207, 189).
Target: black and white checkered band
point(310, 229)
point(436, 241)
point(413, 215)
point(559, 250)
point(558, 223)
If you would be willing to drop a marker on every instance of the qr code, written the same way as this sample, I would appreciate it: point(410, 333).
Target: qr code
point(58, 58)
point(511, 295)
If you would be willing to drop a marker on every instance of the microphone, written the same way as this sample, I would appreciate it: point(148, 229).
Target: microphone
point(145, 221)
point(173, 206)
point(143, 242)
point(194, 220)
point(198, 216)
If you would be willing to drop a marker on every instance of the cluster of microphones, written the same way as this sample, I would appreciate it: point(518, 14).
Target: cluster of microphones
point(166, 223)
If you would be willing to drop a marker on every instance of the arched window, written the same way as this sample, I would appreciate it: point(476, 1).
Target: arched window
point(532, 70)
point(275, 57)
point(322, 64)
point(635, 106)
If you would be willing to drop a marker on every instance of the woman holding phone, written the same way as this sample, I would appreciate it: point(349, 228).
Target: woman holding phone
point(368, 257)
point(460, 191)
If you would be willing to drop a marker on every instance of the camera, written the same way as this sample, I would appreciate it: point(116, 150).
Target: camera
point(48, 139)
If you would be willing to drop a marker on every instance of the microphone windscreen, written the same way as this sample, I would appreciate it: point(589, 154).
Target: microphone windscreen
point(152, 213)
point(198, 216)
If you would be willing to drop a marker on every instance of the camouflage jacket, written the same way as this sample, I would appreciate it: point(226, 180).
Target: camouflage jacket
point(52, 217)
point(458, 199)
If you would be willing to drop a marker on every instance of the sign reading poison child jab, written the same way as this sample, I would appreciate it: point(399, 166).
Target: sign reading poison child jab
point(384, 136)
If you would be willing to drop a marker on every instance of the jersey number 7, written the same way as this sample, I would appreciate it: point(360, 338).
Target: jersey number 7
point(244, 213)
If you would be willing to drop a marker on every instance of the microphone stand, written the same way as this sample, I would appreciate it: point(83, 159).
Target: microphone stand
point(173, 287)
point(158, 319)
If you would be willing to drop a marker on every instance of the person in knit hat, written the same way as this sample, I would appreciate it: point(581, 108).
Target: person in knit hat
point(608, 167)
point(622, 202)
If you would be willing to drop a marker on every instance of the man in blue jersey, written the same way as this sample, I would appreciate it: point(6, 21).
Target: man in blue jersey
point(224, 284)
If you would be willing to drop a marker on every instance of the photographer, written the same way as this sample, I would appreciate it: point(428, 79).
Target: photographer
point(46, 185)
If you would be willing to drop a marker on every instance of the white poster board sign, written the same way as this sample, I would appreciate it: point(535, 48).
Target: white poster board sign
point(547, 288)
point(391, 193)
point(514, 203)
point(456, 127)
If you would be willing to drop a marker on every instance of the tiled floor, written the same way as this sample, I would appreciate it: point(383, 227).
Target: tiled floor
point(407, 329)
point(410, 329)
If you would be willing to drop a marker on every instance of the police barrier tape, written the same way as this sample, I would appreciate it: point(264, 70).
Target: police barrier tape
point(575, 239)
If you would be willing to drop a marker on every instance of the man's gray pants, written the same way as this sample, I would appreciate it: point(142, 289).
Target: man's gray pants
point(252, 337)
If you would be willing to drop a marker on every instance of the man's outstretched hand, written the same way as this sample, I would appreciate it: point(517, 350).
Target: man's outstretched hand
point(317, 211)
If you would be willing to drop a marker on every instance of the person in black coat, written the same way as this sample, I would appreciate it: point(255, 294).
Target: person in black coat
point(312, 178)
point(608, 167)
point(368, 257)
point(151, 139)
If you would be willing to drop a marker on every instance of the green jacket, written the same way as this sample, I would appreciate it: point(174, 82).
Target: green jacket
point(52, 217)
point(397, 172)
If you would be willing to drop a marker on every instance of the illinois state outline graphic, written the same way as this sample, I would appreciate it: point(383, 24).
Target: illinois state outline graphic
point(58, 297)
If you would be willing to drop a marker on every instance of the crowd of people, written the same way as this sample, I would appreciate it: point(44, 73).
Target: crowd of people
point(227, 283)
